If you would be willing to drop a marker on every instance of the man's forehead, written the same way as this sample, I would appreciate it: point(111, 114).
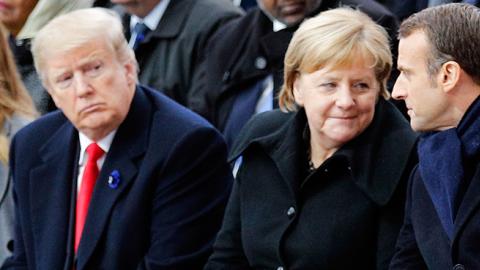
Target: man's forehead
point(64, 62)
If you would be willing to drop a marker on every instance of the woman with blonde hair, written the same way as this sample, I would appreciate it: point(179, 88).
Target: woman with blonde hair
point(16, 110)
point(322, 181)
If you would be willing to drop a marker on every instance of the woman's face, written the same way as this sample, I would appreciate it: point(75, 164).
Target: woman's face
point(14, 13)
point(339, 102)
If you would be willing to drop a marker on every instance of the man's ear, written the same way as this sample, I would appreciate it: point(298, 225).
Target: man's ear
point(130, 72)
point(449, 75)
point(297, 90)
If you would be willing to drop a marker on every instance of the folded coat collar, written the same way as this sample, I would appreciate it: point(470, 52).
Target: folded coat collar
point(378, 157)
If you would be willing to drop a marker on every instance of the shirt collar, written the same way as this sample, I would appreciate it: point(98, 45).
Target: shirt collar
point(153, 18)
point(104, 143)
point(278, 25)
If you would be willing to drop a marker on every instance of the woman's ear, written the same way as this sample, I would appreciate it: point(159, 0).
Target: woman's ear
point(449, 75)
point(297, 90)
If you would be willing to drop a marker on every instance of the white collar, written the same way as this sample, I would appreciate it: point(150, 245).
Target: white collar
point(278, 25)
point(104, 143)
point(153, 18)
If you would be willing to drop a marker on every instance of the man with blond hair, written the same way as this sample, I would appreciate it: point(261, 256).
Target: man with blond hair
point(121, 177)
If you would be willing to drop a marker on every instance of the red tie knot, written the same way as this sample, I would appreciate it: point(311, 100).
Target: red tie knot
point(94, 151)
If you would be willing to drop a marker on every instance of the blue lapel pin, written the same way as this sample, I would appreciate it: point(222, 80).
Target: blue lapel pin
point(114, 179)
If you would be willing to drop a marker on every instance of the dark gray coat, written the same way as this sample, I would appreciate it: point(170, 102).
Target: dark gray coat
point(345, 215)
point(169, 57)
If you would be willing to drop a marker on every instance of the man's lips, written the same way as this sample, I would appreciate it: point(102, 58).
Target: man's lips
point(292, 9)
point(90, 108)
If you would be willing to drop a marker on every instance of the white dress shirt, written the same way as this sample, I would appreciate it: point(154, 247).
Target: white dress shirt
point(153, 18)
point(104, 143)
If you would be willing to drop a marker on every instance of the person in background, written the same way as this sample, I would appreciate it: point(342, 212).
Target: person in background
point(243, 69)
point(16, 110)
point(23, 19)
point(403, 9)
point(322, 182)
point(169, 38)
point(120, 177)
point(439, 81)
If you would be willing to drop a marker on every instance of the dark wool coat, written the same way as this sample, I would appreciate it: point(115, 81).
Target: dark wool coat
point(164, 213)
point(423, 243)
point(169, 57)
point(345, 215)
point(246, 50)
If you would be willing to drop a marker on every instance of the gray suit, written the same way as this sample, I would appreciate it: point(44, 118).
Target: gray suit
point(11, 126)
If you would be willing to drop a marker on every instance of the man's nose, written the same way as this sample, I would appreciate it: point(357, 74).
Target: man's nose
point(82, 84)
point(399, 91)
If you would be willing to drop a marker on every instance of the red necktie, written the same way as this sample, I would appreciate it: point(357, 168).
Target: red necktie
point(89, 177)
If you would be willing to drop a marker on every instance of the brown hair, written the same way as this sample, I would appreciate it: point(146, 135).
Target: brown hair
point(453, 31)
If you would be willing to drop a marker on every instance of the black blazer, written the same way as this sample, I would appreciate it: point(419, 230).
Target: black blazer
point(345, 215)
point(423, 243)
point(164, 213)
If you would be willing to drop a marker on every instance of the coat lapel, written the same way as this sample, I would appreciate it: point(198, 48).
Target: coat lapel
point(470, 202)
point(379, 166)
point(50, 196)
point(291, 153)
point(129, 144)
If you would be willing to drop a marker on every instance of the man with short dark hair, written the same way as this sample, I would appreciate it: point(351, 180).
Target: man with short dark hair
point(440, 84)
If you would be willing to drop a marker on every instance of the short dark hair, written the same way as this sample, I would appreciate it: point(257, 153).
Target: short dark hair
point(453, 31)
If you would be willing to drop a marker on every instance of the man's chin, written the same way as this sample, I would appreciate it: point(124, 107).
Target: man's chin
point(291, 20)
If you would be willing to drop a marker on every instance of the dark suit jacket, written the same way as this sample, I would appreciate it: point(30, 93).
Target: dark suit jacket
point(169, 56)
point(423, 243)
point(345, 215)
point(167, 207)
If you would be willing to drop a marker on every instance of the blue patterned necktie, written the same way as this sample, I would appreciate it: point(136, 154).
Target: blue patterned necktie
point(138, 35)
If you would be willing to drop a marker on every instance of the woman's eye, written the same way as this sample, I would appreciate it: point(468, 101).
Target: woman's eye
point(361, 86)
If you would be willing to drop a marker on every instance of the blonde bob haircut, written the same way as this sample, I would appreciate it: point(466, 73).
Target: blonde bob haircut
point(335, 38)
point(74, 29)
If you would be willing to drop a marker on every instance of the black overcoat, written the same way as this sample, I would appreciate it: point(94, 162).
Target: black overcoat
point(163, 212)
point(423, 243)
point(345, 215)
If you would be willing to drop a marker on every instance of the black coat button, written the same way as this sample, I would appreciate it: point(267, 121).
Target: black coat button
point(10, 245)
point(459, 267)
